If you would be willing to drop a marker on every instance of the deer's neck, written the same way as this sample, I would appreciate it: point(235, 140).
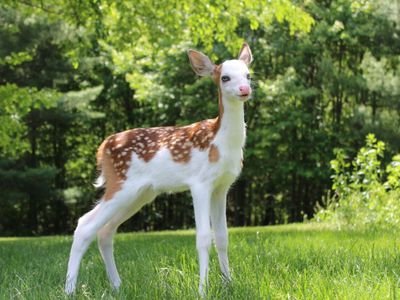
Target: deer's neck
point(231, 125)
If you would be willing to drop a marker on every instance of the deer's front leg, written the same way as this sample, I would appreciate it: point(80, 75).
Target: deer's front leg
point(201, 194)
point(218, 222)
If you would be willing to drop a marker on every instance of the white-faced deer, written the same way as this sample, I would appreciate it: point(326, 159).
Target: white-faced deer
point(205, 157)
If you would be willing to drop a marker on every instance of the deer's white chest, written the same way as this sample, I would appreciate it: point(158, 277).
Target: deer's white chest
point(230, 143)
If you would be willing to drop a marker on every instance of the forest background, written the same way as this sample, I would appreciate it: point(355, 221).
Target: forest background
point(325, 74)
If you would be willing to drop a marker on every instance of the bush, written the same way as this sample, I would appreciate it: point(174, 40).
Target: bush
point(365, 194)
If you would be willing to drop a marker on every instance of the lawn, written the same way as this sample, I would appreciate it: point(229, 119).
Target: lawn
point(300, 261)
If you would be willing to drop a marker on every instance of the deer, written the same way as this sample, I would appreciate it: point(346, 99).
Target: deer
point(205, 158)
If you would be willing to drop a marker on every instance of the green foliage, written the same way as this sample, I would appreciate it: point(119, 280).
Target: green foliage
point(16, 58)
point(393, 171)
point(15, 105)
point(26, 191)
point(72, 72)
point(362, 196)
point(380, 76)
point(367, 166)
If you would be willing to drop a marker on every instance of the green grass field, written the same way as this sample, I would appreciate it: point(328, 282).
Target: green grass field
point(302, 261)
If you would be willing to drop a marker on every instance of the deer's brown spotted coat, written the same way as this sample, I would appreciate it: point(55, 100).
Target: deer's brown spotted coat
point(146, 142)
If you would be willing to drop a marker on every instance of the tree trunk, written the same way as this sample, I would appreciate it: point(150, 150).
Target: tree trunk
point(237, 197)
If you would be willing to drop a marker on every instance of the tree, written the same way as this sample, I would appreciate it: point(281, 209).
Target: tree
point(71, 73)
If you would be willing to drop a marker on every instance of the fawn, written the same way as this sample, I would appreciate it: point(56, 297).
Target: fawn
point(205, 157)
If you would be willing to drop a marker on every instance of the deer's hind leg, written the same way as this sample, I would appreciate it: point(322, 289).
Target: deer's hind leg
point(92, 222)
point(106, 233)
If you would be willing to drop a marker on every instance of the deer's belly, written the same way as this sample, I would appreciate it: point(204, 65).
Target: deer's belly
point(166, 175)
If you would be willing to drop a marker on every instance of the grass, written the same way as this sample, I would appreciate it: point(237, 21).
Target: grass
point(300, 261)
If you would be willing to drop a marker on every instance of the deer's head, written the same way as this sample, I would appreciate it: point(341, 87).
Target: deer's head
point(232, 76)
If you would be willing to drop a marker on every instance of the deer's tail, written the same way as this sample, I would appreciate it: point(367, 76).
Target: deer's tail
point(100, 157)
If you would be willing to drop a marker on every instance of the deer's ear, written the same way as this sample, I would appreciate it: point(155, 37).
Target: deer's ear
point(245, 54)
point(201, 64)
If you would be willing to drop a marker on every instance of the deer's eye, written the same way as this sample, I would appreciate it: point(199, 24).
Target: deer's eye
point(225, 78)
point(248, 77)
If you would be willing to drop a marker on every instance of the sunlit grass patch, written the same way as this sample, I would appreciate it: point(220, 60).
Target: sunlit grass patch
point(280, 262)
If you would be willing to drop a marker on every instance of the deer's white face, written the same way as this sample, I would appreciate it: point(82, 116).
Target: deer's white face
point(235, 80)
point(232, 77)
